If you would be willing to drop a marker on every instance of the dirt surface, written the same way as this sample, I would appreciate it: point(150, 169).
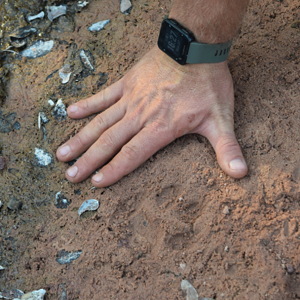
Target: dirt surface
point(178, 216)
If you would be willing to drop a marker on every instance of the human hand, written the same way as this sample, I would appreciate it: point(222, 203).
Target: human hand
point(156, 102)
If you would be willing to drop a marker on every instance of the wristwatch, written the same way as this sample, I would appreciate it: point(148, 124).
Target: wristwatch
point(179, 43)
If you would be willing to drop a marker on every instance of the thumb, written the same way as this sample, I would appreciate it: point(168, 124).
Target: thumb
point(228, 151)
point(229, 155)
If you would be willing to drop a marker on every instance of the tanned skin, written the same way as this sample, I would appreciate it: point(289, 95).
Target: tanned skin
point(145, 111)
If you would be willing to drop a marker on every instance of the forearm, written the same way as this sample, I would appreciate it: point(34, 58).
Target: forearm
point(211, 21)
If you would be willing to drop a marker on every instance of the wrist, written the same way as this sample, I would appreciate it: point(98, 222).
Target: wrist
point(212, 22)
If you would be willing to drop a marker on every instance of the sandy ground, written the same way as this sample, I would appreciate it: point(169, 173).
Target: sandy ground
point(178, 216)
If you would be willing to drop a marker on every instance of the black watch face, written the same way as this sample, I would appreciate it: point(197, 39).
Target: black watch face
point(174, 40)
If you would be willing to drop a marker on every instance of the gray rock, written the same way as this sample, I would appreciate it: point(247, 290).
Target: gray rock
point(43, 157)
point(38, 49)
point(189, 290)
point(98, 26)
point(16, 126)
point(87, 205)
point(61, 201)
point(56, 11)
point(59, 111)
point(125, 7)
point(65, 257)
point(14, 204)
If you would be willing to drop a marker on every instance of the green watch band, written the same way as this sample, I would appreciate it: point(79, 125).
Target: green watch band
point(208, 53)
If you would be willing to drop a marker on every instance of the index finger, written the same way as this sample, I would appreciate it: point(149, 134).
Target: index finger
point(98, 102)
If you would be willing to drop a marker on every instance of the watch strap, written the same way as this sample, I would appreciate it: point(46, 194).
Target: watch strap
point(208, 53)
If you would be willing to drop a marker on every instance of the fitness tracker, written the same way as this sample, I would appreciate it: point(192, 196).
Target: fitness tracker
point(179, 43)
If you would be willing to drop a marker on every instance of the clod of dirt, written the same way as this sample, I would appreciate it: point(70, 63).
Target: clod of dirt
point(189, 290)
point(65, 257)
point(2, 163)
point(14, 204)
point(290, 269)
point(125, 7)
point(226, 210)
point(98, 26)
point(296, 24)
point(61, 201)
point(91, 205)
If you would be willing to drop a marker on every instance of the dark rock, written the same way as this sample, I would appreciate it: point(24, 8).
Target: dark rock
point(2, 163)
point(65, 257)
point(14, 204)
point(16, 126)
point(77, 192)
point(5, 127)
point(61, 201)
point(290, 269)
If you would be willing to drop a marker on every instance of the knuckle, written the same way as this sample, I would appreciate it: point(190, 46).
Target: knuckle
point(107, 141)
point(78, 141)
point(99, 121)
point(130, 152)
point(228, 144)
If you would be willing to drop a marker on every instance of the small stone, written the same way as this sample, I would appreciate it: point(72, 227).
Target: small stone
point(1, 268)
point(98, 26)
point(290, 269)
point(43, 158)
point(59, 111)
point(189, 290)
point(226, 249)
point(65, 257)
point(15, 204)
point(61, 201)
point(180, 199)
point(16, 126)
point(88, 205)
point(51, 102)
point(1, 204)
point(35, 295)
point(182, 266)
point(125, 7)
point(2, 163)
point(226, 210)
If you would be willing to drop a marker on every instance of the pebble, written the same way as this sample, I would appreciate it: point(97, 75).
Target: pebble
point(290, 269)
point(44, 159)
point(1, 268)
point(182, 266)
point(38, 16)
point(16, 126)
point(226, 210)
point(90, 204)
point(65, 257)
point(43, 117)
point(1, 204)
point(50, 102)
point(65, 73)
point(226, 249)
point(125, 7)
point(59, 111)
point(56, 11)
point(14, 204)
point(61, 201)
point(98, 26)
point(189, 290)
point(2, 163)
point(12, 294)
point(85, 58)
point(38, 49)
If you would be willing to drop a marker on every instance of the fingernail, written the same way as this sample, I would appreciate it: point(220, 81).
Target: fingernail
point(237, 164)
point(98, 177)
point(73, 108)
point(72, 171)
point(64, 150)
